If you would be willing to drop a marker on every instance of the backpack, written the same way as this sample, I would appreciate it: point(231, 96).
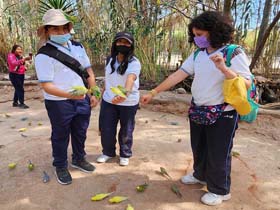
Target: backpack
point(252, 95)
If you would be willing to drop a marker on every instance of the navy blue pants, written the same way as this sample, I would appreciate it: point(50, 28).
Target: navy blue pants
point(17, 81)
point(211, 147)
point(68, 117)
point(110, 115)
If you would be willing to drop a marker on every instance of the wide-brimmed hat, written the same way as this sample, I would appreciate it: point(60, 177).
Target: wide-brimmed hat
point(124, 35)
point(53, 17)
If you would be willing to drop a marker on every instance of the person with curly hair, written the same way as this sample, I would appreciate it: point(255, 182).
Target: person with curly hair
point(123, 69)
point(212, 121)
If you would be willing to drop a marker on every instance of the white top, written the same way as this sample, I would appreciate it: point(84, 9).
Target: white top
point(51, 70)
point(115, 79)
point(207, 86)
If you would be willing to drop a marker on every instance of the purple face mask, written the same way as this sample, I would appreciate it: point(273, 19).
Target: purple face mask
point(201, 41)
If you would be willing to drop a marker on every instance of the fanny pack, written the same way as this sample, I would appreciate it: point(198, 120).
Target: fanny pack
point(205, 115)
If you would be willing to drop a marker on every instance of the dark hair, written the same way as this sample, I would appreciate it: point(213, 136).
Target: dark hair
point(127, 59)
point(219, 27)
point(15, 47)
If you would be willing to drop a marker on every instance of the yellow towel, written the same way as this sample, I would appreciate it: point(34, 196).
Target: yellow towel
point(235, 94)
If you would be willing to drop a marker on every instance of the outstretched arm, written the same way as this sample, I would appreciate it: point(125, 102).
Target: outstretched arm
point(169, 82)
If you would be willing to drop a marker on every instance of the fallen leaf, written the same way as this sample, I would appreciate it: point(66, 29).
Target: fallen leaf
point(118, 199)
point(22, 129)
point(129, 207)
point(175, 189)
point(101, 196)
point(235, 154)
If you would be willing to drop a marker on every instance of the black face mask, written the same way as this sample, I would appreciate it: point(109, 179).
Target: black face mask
point(123, 49)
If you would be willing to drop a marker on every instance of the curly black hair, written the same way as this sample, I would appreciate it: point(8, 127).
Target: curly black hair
point(219, 27)
point(127, 59)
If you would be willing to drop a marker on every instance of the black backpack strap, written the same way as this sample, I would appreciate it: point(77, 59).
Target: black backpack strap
point(67, 60)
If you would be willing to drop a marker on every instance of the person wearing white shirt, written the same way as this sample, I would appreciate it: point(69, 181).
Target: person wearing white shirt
point(69, 114)
point(123, 68)
point(213, 129)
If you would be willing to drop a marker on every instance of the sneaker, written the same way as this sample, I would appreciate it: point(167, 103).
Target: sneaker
point(124, 161)
point(83, 165)
point(213, 199)
point(103, 158)
point(15, 104)
point(190, 179)
point(63, 176)
point(23, 106)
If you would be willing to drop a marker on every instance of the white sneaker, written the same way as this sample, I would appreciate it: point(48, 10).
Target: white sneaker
point(103, 158)
point(213, 199)
point(124, 161)
point(190, 179)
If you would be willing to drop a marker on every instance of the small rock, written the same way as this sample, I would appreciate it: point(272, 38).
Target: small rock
point(174, 123)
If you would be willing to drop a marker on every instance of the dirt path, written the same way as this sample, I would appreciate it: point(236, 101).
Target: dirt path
point(161, 140)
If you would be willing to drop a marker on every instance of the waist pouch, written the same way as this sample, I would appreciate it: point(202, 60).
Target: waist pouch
point(205, 115)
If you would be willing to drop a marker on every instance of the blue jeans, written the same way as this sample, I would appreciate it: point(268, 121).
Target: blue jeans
point(110, 115)
point(68, 117)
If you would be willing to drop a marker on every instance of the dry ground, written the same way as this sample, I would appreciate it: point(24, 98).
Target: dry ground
point(160, 140)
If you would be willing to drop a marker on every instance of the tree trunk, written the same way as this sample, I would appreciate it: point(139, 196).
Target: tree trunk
point(262, 42)
point(265, 21)
point(227, 8)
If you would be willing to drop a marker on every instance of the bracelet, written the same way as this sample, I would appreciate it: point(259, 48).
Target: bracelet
point(153, 92)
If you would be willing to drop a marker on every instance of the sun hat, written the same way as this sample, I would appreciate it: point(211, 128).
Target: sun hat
point(124, 35)
point(235, 94)
point(52, 17)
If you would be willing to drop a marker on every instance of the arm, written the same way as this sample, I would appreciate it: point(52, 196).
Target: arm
point(171, 81)
point(128, 86)
point(50, 88)
point(92, 83)
point(229, 74)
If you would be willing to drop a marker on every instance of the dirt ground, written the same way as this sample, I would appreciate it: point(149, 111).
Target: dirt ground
point(160, 140)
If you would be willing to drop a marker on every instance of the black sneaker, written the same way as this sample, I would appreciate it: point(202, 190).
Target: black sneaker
point(15, 104)
point(83, 165)
point(23, 106)
point(63, 176)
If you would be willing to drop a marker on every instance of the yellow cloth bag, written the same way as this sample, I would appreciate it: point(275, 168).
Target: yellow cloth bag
point(235, 94)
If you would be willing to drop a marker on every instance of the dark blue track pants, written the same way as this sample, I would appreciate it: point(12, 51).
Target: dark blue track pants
point(211, 147)
point(110, 115)
point(68, 118)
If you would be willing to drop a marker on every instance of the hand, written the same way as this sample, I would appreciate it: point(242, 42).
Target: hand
point(219, 62)
point(93, 101)
point(118, 99)
point(145, 99)
point(73, 97)
point(27, 58)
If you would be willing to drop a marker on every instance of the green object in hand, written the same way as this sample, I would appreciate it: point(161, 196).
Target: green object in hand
point(78, 90)
point(95, 91)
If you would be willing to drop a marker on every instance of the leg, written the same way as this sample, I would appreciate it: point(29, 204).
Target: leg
point(60, 114)
point(108, 118)
point(220, 141)
point(13, 81)
point(199, 149)
point(127, 121)
point(19, 87)
point(79, 126)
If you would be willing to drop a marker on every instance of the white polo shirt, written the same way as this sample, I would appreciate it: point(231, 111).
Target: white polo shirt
point(51, 70)
point(207, 86)
point(115, 79)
